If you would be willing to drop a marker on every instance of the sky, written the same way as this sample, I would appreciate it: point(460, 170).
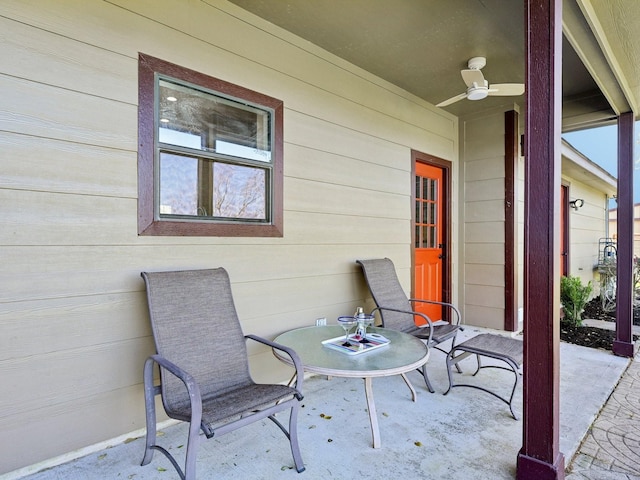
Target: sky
point(600, 145)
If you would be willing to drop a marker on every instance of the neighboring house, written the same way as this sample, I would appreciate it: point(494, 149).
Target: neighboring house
point(342, 156)
point(613, 227)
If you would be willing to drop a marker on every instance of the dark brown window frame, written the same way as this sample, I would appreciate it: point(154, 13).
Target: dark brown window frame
point(148, 223)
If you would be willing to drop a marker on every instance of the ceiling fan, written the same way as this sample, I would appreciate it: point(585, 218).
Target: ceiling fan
point(479, 88)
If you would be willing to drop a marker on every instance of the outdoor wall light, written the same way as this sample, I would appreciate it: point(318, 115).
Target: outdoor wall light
point(576, 204)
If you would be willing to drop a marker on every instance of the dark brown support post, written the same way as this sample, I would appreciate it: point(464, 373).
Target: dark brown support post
point(540, 457)
point(511, 150)
point(623, 346)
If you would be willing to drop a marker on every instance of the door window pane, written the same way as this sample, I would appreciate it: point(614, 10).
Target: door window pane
point(426, 214)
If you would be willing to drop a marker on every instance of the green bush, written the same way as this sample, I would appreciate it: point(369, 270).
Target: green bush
point(574, 296)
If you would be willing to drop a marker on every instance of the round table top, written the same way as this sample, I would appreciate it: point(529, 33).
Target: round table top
point(403, 354)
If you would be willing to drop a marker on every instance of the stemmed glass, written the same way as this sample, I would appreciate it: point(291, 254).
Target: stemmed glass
point(347, 323)
point(366, 321)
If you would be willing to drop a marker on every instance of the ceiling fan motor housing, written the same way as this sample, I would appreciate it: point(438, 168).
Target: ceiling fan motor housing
point(477, 63)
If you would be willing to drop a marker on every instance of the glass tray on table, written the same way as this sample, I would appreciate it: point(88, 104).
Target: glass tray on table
point(375, 341)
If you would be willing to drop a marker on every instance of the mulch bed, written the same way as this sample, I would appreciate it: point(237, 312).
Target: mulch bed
point(591, 336)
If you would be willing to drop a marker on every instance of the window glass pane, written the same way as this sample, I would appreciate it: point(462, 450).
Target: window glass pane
point(432, 213)
point(425, 188)
point(239, 192)
point(433, 190)
point(196, 119)
point(425, 237)
point(178, 185)
point(432, 237)
point(200, 187)
point(418, 218)
point(417, 239)
point(426, 218)
point(418, 191)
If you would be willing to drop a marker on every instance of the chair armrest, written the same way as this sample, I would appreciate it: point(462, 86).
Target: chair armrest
point(458, 317)
point(429, 322)
point(193, 389)
point(297, 363)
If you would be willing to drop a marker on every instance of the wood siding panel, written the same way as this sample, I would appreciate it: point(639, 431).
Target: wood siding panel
point(63, 219)
point(320, 166)
point(484, 211)
point(485, 232)
point(485, 296)
point(34, 54)
point(486, 317)
point(491, 275)
point(70, 323)
point(70, 374)
point(322, 228)
point(44, 111)
point(63, 419)
point(331, 137)
point(306, 195)
point(40, 270)
point(50, 165)
point(485, 169)
point(488, 189)
point(484, 253)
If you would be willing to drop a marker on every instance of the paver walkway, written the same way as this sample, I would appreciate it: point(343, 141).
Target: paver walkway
point(611, 449)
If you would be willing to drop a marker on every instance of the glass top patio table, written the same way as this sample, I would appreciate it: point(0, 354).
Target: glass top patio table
point(403, 354)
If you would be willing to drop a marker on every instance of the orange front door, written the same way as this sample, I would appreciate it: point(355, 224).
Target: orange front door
point(429, 248)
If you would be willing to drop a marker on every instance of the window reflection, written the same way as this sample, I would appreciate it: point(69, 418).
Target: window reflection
point(192, 118)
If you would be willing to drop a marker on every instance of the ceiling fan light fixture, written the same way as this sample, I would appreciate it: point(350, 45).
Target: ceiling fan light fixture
point(476, 92)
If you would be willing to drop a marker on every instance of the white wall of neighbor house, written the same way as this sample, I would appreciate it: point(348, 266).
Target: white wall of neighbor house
point(73, 318)
point(587, 225)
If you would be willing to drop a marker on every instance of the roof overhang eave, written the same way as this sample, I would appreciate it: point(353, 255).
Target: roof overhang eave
point(578, 166)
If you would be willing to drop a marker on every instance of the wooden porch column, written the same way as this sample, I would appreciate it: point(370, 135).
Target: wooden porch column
point(623, 346)
point(540, 457)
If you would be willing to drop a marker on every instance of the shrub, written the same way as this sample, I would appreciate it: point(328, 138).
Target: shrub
point(574, 296)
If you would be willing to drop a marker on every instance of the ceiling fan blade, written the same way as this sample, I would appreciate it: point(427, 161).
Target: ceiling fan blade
point(455, 99)
point(472, 76)
point(506, 89)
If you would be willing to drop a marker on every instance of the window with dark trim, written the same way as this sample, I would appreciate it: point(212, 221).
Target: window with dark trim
point(209, 155)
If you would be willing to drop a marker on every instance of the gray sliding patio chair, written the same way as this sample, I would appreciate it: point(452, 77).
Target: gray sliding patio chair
point(397, 311)
point(204, 368)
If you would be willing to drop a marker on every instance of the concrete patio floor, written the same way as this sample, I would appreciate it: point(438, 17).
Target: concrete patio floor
point(467, 434)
